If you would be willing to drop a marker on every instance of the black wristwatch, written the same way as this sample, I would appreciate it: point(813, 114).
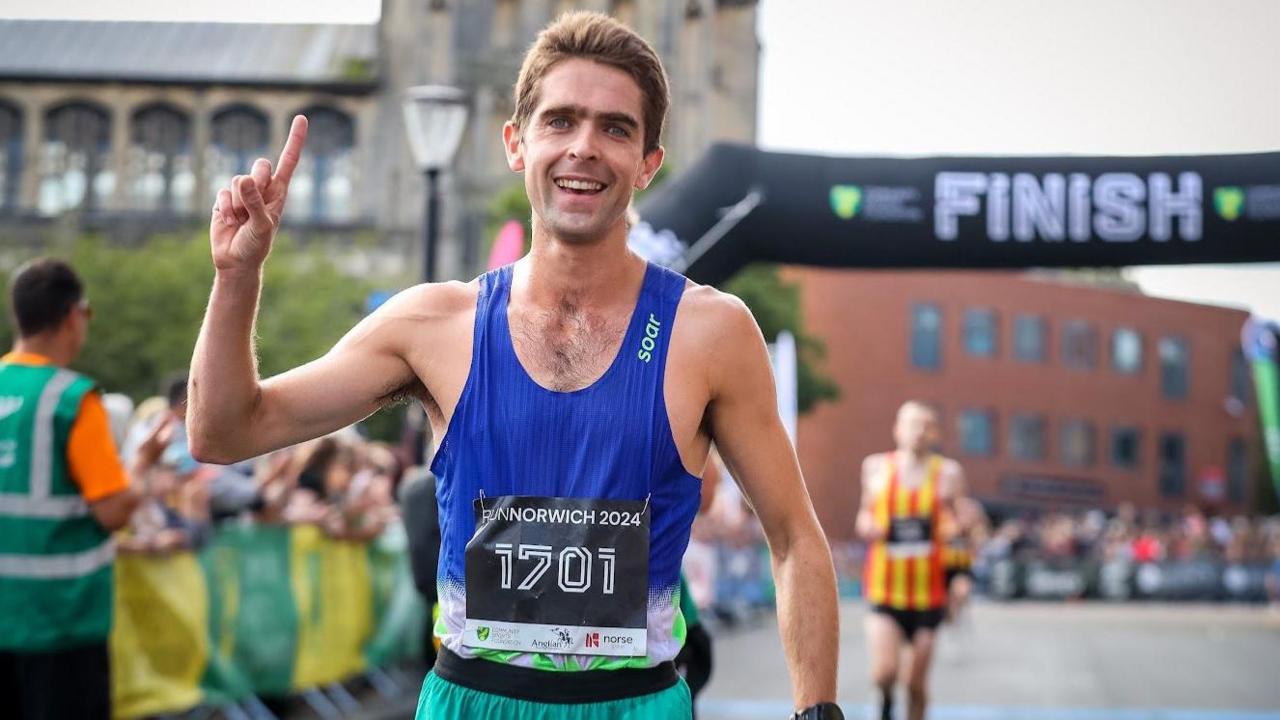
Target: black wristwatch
point(821, 711)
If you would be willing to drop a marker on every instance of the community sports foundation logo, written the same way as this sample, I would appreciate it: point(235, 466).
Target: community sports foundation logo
point(482, 633)
point(1228, 201)
point(846, 200)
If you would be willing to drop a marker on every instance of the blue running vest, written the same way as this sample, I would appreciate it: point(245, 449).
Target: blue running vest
point(610, 440)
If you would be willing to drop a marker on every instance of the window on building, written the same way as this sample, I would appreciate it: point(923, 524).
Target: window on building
point(1029, 335)
point(977, 432)
point(1027, 437)
point(1173, 465)
point(1079, 345)
point(926, 337)
point(981, 332)
point(1241, 382)
point(323, 187)
point(10, 155)
point(1237, 470)
point(1077, 443)
point(238, 137)
point(1126, 447)
point(1174, 371)
point(74, 163)
point(1126, 351)
point(160, 161)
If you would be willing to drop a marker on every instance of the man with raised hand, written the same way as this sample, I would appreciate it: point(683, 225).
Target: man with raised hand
point(569, 394)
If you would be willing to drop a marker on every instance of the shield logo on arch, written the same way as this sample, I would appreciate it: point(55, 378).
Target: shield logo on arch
point(846, 200)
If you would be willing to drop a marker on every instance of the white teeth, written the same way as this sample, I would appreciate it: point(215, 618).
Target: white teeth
point(579, 184)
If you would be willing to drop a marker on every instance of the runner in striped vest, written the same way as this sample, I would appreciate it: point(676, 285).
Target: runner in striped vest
point(905, 495)
point(62, 490)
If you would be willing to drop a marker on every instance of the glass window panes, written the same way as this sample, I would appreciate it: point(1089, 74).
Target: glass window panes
point(1079, 345)
point(980, 332)
point(1027, 437)
point(1077, 443)
point(1173, 465)
point(926, 336)
point(1126, 447)
point(977, 432)
point(1126, 350)
point(1174, 370)
point(1029, 335)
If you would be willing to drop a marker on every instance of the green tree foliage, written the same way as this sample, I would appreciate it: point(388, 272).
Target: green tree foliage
point(776, 306)
point(148, 302)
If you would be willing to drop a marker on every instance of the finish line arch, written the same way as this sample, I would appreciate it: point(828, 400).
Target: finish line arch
point(739, 205)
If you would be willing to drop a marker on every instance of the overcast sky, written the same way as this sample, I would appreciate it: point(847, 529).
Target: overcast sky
point(938, 77)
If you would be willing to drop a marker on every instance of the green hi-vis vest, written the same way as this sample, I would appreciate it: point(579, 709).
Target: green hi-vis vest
point(55, 559)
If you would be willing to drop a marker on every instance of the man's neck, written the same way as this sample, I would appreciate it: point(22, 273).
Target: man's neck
point(911, 457)
point(593, 274)
point(46, 347)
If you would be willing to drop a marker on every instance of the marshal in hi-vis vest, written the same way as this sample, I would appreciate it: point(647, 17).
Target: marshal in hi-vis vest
point(904, 570)
point(55, 559)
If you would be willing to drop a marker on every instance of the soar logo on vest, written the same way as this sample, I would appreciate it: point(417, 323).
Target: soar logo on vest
point(648, 342)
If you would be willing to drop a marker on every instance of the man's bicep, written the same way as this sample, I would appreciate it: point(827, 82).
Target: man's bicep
point(747, 429)
point(348, 383)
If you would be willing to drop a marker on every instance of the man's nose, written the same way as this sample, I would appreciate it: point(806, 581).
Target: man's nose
point(584, 145)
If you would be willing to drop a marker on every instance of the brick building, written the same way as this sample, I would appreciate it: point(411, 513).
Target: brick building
point(1052, 394)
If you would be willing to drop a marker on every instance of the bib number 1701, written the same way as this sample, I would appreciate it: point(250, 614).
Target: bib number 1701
point(573, 566)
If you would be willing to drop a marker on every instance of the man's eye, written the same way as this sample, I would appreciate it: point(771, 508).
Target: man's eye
point(618, 131)
point(558, 123)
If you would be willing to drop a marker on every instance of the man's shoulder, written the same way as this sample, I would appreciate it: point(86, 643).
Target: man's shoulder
point(715, 311)
point(431, 302)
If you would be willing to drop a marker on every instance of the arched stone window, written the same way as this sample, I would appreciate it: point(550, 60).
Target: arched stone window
point(160, 164)
point(238, 137)
point(323, 187)
point(74, 167)
point(10, 154)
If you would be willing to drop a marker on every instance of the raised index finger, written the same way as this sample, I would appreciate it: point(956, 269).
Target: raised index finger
point(292, 150)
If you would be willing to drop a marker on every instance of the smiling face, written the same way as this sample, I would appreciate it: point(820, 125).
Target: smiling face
point(916, 429)
point(582, 151)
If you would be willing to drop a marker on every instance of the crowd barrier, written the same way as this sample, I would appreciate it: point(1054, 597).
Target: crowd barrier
point(1204, 580)
point(262, 611)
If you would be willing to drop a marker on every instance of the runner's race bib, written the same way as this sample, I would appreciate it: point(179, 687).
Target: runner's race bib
point(910, 536)
point(558, 575)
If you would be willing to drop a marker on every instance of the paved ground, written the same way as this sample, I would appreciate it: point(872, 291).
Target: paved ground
point(1032, 661)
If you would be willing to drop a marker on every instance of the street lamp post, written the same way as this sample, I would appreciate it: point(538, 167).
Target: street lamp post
point(434, 116)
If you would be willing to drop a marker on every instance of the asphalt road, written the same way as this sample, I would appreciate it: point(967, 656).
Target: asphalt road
point(1039, 661)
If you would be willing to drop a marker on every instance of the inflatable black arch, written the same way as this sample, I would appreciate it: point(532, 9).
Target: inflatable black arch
point(739, 204)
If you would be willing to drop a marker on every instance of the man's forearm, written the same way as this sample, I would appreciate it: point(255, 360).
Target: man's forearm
point(224, 373)
point(808, 619)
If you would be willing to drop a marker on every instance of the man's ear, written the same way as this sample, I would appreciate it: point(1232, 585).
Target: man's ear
point(511, 143)
point(652, 163)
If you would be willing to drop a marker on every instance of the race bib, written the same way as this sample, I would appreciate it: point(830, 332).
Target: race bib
point(558, 575)
point(910, 530)
point(910, 537)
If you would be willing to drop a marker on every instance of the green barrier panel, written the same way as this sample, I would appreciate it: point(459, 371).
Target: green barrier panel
point(264, 610)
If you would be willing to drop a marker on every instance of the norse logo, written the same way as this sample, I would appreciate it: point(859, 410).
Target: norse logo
point(9, 406)
point(593, 640)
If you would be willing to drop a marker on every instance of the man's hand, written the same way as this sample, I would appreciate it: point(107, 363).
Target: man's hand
point(247, 214)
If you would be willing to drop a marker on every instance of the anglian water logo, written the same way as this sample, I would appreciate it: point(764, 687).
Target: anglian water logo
point(845, 201)
point(1228, 201)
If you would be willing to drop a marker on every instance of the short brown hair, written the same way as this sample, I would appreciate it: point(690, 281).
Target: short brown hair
point(602, 39)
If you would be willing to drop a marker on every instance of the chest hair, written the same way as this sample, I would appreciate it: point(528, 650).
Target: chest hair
point(568, 347)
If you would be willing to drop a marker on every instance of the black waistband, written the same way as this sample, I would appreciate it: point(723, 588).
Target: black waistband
point(551, 686)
